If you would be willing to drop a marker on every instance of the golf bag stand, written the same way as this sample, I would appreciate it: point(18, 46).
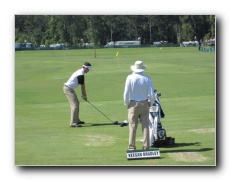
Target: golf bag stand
point(157, 133)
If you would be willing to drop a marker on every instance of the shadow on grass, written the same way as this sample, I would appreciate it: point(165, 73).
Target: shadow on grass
point(101, 124)
point(186, 150)
point(180, 145)
point(176, 145)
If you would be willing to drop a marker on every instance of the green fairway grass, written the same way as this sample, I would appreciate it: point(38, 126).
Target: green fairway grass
point(186, 78)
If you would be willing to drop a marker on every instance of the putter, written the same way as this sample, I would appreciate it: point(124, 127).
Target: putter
point(114, 122)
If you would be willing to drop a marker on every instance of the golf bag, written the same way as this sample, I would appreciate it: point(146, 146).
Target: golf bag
point(157, 133)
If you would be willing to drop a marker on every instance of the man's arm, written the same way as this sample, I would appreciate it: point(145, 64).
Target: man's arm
point(83, 91)
point(126, 93)
point(81, 81)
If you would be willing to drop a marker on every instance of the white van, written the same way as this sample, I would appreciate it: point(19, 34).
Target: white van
point(123, 44)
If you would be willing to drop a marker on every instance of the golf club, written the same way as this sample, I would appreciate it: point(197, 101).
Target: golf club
point(114, 122)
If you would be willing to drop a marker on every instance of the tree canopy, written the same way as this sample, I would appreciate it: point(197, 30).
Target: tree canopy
point(101, 29)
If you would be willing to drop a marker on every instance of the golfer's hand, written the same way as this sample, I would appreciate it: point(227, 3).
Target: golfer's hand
point(84, 97)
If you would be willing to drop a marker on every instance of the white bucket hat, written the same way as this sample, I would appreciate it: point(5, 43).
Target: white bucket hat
point(138, 67)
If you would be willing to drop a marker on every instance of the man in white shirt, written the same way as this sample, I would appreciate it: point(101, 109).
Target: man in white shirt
point(78, 77)
point(138, 97)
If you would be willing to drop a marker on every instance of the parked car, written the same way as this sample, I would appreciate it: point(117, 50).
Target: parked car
point(42, 47)
point(58, 46)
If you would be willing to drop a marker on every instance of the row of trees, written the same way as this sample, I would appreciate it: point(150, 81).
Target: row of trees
point(101, 29)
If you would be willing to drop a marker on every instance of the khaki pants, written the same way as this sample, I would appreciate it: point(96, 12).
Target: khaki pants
point(74, 105)
point(138, 110)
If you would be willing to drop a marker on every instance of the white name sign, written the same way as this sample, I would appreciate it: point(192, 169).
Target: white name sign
point(143, 154)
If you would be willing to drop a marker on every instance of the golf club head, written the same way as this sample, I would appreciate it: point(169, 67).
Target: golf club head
point(115, 122)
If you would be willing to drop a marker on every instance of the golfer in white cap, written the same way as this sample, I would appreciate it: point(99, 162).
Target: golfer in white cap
point(138, 90)
point(78, 77)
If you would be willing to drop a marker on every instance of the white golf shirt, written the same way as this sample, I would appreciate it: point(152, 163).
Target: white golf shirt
point(76, 79)
point(138, 87)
